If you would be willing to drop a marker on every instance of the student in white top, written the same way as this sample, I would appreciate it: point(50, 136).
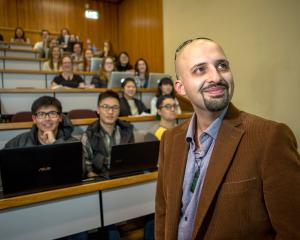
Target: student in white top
point(54, 63)
point(165, 87)
point(42, 45)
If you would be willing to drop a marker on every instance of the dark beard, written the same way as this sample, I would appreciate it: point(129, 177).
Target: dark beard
point(219, 103)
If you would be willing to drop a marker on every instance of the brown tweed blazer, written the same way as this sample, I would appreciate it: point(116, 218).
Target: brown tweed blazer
point(252, 185)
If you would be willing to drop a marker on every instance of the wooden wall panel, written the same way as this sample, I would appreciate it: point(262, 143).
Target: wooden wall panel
point(132, 25)
point(53, 15)
point(141, 31)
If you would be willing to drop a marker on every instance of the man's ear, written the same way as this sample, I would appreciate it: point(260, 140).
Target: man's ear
point(179, 87)
point(33, 118)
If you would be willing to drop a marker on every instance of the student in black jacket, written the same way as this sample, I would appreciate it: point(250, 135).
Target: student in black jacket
point(129, 104)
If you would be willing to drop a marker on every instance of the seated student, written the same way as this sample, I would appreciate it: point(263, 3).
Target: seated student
point(49, 127)
point(19, 36)
point(107, 50)
point(100, 80)
point(77, 57)
point(101, 135)
point(129, 104)
point(166, 109)
point(67, 78)
point(88, 54)
point(165, 87)
point(91, 46)
point(141, 73)
point(52, 42)
point(63, 38)
point(123, 64)
point(42, 45)
point(54, 62)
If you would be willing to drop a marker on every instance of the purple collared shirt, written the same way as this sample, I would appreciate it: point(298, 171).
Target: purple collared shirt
point(198, 159)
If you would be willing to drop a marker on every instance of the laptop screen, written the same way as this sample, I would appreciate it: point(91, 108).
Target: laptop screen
point(133, 158)
point(116, 79)
point(34, 168)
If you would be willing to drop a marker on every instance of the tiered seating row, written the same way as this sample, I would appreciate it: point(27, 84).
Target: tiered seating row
point(33, 78)
point(18, 100)
point(15, 52)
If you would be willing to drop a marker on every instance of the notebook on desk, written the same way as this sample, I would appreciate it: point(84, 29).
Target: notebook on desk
point(133, 158)
point(30, 169)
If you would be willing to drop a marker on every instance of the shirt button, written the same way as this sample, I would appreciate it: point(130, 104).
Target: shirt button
point(185, 218)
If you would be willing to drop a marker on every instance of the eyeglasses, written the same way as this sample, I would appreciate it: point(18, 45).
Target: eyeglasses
point(106, 107)
point(108, 63)
point(43, 115)
point(170, 106)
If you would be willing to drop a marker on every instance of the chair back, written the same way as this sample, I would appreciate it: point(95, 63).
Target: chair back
point(22, 117)
point(82, 113)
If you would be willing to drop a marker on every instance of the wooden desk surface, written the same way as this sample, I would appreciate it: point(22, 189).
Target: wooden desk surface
point(19, 50)
point(24, 59)
point(19, 71)
point(69, 90)
point(26, 199)
point(17, 43)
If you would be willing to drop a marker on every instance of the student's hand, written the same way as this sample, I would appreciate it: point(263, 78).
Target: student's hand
point(48, 137)
point(92, 174)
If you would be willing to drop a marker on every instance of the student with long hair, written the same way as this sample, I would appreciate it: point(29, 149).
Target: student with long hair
point(100, 80)
point(54, 63)
point(141, 73)
point(88, 54)
point(123, 63)
point(107, 50)
point(19, 36)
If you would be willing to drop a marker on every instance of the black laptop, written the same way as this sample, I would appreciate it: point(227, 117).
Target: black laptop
point(30, 169)
point(133, 158)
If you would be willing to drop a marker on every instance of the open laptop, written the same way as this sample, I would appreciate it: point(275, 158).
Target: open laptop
point(36, 168)
point(154, 79)
point(96, 64)
point(133, 158)
point(116, 79)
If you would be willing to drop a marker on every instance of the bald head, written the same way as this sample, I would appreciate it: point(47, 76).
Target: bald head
point(198, 42)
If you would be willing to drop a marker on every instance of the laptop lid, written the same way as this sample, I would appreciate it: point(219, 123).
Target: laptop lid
point(96, 63)
point(34, 168)
point(116, 79)
point(133, 158)
point(154, 79)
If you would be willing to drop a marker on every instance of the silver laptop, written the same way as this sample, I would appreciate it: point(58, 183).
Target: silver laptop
point(154, 79)
point(96, 63)
point(116, 79)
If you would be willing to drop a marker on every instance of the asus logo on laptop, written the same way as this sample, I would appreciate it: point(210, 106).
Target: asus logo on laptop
point(44, 169)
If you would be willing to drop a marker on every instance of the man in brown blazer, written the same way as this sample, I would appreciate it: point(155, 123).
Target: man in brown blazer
point(225, 174)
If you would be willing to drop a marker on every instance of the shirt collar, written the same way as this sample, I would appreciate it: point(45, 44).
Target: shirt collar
point(212, 129)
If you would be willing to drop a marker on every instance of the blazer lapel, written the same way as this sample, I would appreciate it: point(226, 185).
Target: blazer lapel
point(227, 141)
point(177, 170)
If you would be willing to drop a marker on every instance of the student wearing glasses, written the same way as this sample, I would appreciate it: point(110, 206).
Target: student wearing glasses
point(165, 87)
point(166, 109)
point(105, 132)
point(49, 127)
point(100, 80)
